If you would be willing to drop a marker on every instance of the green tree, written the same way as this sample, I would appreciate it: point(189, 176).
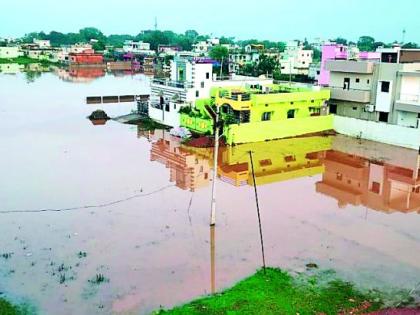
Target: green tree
point(410, 45)
point(219, 53)
point(266, 64)
point(366, 43)
point(340, 40)
point(89, 33)
point(99, 46)
point(317, 55)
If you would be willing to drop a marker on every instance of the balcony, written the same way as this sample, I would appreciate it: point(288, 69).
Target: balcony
point(359, 96)
point(175, 84)
point(408, 103)
point(349, 66)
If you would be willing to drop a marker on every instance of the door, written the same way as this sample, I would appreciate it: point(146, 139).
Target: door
point(346, 85)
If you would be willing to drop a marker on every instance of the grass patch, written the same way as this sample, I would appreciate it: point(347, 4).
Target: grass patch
point(149, 124)
point(23, 60)
point(7, 308)
point(277, 292)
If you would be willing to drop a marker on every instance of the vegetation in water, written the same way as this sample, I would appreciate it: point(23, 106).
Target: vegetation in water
point(277, 292)
point(7, 308)
point(98, 279)
point(23, 60)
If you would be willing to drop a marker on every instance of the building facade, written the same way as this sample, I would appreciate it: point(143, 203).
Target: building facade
point(380, 91)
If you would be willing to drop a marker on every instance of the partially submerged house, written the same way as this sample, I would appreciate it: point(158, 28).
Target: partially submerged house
point(261, 112)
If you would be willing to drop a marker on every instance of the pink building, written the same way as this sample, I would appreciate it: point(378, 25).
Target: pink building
point(330, 51)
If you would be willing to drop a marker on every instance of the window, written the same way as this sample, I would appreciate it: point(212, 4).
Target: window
point(266, 116)
point(207, 75)
point(333, 108)
point(318, 72)
point(376, 187)
point(385, 86)
point(265, 162)
point(202, 84)
point(368, 81)
point(289, 158)
point(355, 108)
point(167, 107)
point(339, 176)
point(383, 116)
point(357, 80)
point(174, 106)
point(197, 93)
point(290, 114)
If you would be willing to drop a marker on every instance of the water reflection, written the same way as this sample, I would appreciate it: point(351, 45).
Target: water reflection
point(188, 170)
point(158, 249)
point(378, 185)
point(11, 68)
point(388, 185)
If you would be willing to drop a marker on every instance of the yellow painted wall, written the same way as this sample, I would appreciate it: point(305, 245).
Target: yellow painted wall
point(268, 130)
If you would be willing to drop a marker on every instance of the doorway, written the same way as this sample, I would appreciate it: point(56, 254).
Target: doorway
point(346, 85)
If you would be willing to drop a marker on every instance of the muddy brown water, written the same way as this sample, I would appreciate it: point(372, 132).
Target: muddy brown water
point(340, 203)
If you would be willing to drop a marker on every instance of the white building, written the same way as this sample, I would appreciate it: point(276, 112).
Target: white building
point(295, 59)
point(10, 52)
point(42, 43)
point(314, 71)
point(137, 48)
point(191, 78)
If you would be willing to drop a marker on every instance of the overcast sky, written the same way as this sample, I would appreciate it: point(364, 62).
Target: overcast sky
point(243, 19)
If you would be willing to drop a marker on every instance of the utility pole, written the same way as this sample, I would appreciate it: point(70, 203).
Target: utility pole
point(156, 25)
point(212, 259)
point(221, 68)
point(216, 153)
point(258, 210)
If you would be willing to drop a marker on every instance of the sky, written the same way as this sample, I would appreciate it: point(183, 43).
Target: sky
point(243, 19)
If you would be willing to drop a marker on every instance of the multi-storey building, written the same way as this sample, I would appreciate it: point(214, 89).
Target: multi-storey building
point(378, 99)
point(137, 48)
point(295, 59)
point(191, 78)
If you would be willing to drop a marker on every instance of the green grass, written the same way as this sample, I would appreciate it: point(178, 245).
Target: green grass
point(23, 60)
point(277, 292)
point(6, 308)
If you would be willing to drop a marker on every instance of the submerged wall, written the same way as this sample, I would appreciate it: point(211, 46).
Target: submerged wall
point(378, 131)
point(268, 130)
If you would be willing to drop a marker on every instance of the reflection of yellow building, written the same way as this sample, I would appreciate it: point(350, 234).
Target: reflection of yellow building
point(383, 186)
point(274, 161)
point(189, 171)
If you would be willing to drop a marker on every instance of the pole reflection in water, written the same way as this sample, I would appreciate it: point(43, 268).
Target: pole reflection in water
point(212, 259)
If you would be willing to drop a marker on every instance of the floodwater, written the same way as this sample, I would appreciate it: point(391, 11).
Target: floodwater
point(136, 204)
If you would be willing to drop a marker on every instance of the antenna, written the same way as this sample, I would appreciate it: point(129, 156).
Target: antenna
point(403, 36)
point(156, 25)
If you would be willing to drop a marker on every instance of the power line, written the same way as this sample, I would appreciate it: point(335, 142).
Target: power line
point(102, 205)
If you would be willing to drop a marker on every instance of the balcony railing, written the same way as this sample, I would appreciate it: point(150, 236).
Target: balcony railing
point(346, 66)
point(175, 84)
point(352, 95)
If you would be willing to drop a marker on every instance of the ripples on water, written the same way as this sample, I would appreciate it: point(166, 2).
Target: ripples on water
point(347, 205)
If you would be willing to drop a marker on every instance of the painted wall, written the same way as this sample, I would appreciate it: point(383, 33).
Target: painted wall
point(378, 131)
point(268, 130)
point(410, 89)
point(332, 51)
point(407, 119)
point(10, 52)
point(169, 118)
